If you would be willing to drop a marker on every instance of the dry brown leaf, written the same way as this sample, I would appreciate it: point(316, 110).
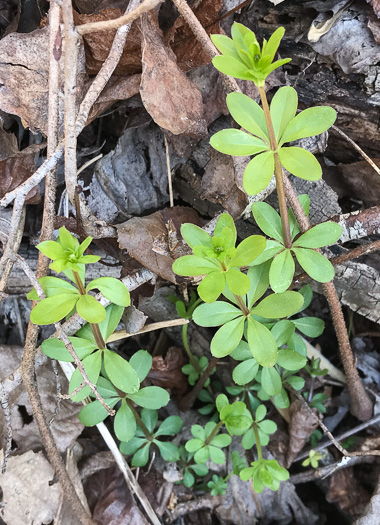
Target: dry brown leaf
point(347, 492)
point(110, 499)
point(97, 45)
point(29, 494)
point(147, 239)
point(24, 76)
point(66, 426)
point(167, 372)
point(133, 319)
point(18, 167)
point(181, 39)
point(173, 101)
point(302, 425)
point(218, 185)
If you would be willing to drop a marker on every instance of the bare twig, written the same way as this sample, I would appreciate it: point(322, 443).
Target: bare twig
point(123, 334)
point(4, 401)
point(171, 200)
point(203, 38)
point(358, 148)
point(58, 388)
point(361, 406)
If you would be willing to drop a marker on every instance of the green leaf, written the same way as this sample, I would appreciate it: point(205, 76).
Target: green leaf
point(149, 418)
point(232, 67)
point(153, 397)
point(89, 308)
point(124, 423)
point(259, 281)
point(272, 248)
point(283, 331)
point(296, 382)
point(51, 249)
point(215, 314)
point(269, 427)
point(112, 289)
point(55, 349)
point(308, 123)
point(307, 294)
point(271, 381)
point(258, 173)
point(261, 343)
point(141, 457)
point(290, 360)
point(236, 142)
point(217, 455)
point(298, 344)
point(95, 413)
point(54, 286)
point(226, 221)
point(84, 245)
point(141, 361)
point(53, 309)
point(170, 426)
point(120, 372)
point(221, 402)
point(241, 352)
point(314, 264)
point(169, 451)
point(237, 282)
point(190, 265)
point(320, 235)
point(212, 286)
point(282, 271)
point(268, 220)
point(261, 412)
point(248, 250)
point(195, 236)
point(227, 337)
point(193, 445)
point(92, 365)
point(106, 388)
point(225, 45)
point(68, 241)
point(300, 163)
point(132, 446)
point(283, 109)
point(279, 305)
point(113, 316)
point(310, 326)
point(270, 48)
point(222, 440)
point(248, 114)
point(245, 372)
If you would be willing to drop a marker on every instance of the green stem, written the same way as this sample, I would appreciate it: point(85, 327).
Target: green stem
point(213, 433)
point(258, 444)
point(94, 327)
point(139, 421)
point(277, 171)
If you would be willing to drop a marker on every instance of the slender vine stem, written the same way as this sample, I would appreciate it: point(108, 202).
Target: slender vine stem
point(277, 171)
point(214, 433)
point(258, 443)
point(241, 304)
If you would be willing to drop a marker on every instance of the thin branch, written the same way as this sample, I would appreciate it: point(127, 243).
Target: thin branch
point(203, 38)
point(358, 148)
point(58, 388)
point(123, 334)
point(171, 200)
point(319, 473)
point(93, 27)
point(361, 406)
point(4, 401)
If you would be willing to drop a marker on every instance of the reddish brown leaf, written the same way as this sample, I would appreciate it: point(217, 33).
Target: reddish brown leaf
point(167, 372)
point(146, 239)
point(181, 39)
point(173, 101)
point(98, 45)
point(18, 167)
point(302, 425)
point(218, 185)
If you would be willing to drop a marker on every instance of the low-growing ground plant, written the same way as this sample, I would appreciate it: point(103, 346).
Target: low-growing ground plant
point(244, 294)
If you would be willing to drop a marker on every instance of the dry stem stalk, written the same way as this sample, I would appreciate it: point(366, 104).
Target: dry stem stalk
point(361, 406)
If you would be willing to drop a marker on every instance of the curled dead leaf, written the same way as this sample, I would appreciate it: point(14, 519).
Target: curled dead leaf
point(166, 372)
point(174, 102)
point(302, 425)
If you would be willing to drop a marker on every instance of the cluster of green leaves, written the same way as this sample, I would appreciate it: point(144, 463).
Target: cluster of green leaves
point(189, 468)
point(263, 427)
point(193, 373)
point(63, 298)
point(313, 459)
point(265, 473)
point(234, 323)
point(282, 266)
point(242, 57)
point(140, 444)
point(217, 258)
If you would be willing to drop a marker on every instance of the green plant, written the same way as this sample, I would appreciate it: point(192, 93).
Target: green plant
point(313, 459)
